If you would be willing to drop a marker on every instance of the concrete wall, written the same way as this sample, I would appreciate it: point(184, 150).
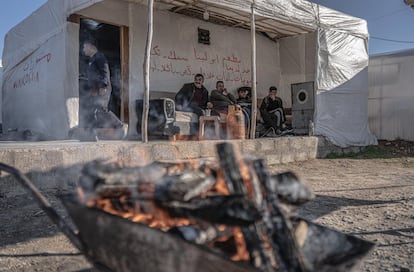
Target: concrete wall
point(57, 165)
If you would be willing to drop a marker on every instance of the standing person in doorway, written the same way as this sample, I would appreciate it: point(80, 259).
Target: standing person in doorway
point(99, 84)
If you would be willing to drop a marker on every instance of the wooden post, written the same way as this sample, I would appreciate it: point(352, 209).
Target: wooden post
point(145, 110)
point(254, 91)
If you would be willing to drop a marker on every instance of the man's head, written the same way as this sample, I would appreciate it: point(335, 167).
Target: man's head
point(220, 86)
point(242, 92)
point(198, 80)
point(89, 48)
point(272, 91)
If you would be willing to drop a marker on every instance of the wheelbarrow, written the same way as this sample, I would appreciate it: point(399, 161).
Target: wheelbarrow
point(112, 243)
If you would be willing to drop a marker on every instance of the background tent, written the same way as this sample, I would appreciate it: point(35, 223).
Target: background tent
point(391, 95)
point(298, 41)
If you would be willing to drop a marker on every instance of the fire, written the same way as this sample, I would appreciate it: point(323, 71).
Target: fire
point(242, 252)
point(158, 218)
point(182, 137)
point(220, 185)
point(246, 176)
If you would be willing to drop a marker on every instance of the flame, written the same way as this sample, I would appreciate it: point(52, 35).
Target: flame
point(245, 174)
point(242, 252)
point(158, 218)
point(182, 137)
point(221, 186)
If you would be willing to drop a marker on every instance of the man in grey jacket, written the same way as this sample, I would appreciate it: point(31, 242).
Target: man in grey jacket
point(221, 98)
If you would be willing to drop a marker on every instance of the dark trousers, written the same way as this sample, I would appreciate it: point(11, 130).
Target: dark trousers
point(273, 119)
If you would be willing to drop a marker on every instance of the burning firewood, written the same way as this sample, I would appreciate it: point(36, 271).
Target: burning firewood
point(234, 208)
point(148, 182)
point(289, 188)
point(231, 210)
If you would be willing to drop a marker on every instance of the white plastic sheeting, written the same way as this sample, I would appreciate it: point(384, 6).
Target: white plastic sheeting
point(340, 113)
point(341, 105)
point(341, 54)
point(391, 95)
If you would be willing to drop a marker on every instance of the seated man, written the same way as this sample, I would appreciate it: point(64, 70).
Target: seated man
point(244, 99)
point(272, 111)
point(245, 102)
point(193, 97)
point(221, 98)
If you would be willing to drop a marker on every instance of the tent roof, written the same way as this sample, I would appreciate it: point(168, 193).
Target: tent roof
point(274, 18)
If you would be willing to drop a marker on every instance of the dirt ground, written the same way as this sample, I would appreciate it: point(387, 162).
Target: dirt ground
point(370, 195)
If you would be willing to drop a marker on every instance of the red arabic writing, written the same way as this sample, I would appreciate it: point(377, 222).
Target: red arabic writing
point(228, 68)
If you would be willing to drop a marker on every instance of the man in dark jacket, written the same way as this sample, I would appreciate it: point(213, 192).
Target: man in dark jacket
point(272, 111)
point(99, 84)
point(193, 97)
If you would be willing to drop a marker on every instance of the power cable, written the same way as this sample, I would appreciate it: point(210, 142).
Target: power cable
point(387, 14)
point(390, 40)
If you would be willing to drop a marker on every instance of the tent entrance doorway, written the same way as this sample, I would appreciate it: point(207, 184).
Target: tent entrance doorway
point(110, 40)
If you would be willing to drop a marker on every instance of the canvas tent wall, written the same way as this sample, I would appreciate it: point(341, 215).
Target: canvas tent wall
point(338, 43)
point(391, 95)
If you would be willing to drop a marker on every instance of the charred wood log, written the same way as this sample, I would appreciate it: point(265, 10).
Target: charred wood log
point(200, 234)
point(233, 210)
point(252, 234)
point(279, 227)
point(184, 186)
point(148, 182)
point(99, 177)
point(289, 188)
point(325, 249)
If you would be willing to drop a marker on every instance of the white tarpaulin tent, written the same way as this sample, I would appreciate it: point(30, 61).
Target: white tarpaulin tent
point(391, 95)
point(40, 58)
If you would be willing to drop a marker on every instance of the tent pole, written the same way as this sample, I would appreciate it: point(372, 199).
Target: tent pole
point(145, 110)
point(253, 79)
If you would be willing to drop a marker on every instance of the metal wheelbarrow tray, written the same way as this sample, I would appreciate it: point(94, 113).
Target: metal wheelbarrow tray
point(123, 245)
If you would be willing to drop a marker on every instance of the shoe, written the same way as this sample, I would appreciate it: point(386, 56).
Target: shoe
point(270, 132)
point(265, 133)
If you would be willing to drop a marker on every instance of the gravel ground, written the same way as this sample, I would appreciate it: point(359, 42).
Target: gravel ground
point(370, 195)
